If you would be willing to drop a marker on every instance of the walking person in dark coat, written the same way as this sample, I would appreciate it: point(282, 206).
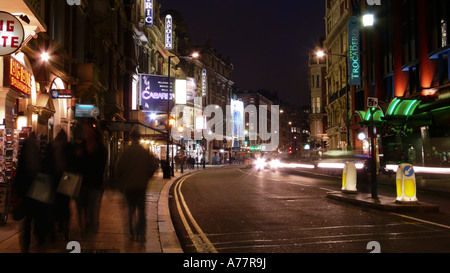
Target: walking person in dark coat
point(90, 157)
point(134, 168)
point(29, 165)
point(60, 159)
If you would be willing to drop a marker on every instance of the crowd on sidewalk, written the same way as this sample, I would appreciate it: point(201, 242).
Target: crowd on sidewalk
point(47, 181)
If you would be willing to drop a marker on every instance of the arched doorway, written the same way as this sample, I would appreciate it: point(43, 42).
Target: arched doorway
point(61, 118)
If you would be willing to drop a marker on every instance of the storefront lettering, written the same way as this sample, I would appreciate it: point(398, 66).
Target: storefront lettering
point(146, 95)
point(20, 77)
point(354, 52)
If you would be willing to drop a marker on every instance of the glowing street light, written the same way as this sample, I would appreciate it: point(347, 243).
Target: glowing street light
point(45, 56)
point(368, 20)
point(320, 54)
point(195, 55)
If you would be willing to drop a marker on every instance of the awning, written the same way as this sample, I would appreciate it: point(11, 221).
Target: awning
point(368, 116)
point(408, 112)
point(45, 104)
point(147, 131)
point(30, 9)
point(438, 111)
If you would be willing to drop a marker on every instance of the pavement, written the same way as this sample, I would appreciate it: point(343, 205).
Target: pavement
point(112, 235)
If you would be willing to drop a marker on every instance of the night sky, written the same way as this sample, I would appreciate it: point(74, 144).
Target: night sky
point(268, 41)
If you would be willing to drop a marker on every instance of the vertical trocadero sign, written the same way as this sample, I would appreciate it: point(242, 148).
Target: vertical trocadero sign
point(11, 34)
point(354, 50)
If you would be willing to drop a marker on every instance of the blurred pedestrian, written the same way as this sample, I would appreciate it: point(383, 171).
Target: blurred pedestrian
point(134, 168)
point(36, 212)
point(60, 159)
point(90, 162)
point(177, 162)
point(191, 162)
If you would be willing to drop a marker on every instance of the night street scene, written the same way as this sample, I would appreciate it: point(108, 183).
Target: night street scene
point(230, 135)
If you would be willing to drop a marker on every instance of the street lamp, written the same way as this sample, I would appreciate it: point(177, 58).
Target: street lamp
point(368, 20)
point(194, 55)
point(45, 57)
point(322, 54)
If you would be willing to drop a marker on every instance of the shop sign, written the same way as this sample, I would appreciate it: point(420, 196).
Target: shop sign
point(19, 76)
point(154, 93)
point(180, 91)
point(61, 93)
point(11, 34)
point(86, 111)
point(354, 60)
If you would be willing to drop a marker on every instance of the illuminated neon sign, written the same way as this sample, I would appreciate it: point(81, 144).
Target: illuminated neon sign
point(20, 77)
point(354, 49)
point(148, 8)
point(154, 93)
point(169, 32)
point(204, 83)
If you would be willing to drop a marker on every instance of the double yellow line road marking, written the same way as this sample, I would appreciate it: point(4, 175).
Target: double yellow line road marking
point(199, 239)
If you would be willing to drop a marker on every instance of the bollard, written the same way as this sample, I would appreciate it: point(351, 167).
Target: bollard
point(406, 184)
point(349, 178)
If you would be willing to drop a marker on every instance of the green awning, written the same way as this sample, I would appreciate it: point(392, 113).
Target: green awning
point(402, 108)
point(407, 111)
point(366, 116)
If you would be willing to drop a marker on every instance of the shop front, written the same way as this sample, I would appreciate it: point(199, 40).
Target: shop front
point(417, 131)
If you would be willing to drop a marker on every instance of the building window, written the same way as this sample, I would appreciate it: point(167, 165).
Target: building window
point(313, 105)
point(413, 80)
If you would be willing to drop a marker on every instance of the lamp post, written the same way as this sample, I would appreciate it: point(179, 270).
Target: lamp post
point(369, 21)
point(194, 55)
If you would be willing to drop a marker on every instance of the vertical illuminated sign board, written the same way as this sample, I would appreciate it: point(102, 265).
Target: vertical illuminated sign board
point(354, 52)
point(148, 8)
point(204, 83)
point(169, 32)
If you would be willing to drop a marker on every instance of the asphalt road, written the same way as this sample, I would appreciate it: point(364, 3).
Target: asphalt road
point(238, 210)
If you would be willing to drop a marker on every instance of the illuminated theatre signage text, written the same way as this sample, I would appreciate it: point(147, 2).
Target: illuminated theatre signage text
point(148, 7)
point(11, 34)
point(169, 32)
point(204, 82)
point(154, 93)
point(354, 60)
point(20, 77)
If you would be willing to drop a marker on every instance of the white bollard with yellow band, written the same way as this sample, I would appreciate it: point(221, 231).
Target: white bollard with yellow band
point(406, 184)
point(349, 178)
